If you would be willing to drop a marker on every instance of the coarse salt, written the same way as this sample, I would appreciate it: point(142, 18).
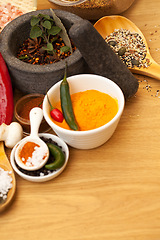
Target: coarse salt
point(5, 183)
point(37, 157)
point(8, 12)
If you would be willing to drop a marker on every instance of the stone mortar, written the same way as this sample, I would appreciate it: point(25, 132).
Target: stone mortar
point(30, 78)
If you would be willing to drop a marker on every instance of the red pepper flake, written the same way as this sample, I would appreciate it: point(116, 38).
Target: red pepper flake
point(31, 52)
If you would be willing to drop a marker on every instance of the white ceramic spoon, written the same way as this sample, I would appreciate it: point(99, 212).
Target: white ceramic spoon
point(108, 24)
point(36, 115)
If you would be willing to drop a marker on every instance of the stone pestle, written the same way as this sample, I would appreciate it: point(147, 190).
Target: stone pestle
point(101, 59)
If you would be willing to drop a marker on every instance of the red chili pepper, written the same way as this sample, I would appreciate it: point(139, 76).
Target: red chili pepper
point(6, 94)
point(56, 114)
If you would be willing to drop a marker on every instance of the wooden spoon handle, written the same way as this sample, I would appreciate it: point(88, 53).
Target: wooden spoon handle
point(3, 157)
point(5, 164)
point(152, 71)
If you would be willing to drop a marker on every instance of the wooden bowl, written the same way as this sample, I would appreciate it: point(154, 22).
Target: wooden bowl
point(95, 9)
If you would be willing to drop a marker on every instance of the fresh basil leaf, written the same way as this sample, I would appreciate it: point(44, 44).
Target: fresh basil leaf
point(46, 24)
point(35, 32)
point(49, 47)
point(34, 21)
point(54, 30)
point(45, 16)
point(64, 49)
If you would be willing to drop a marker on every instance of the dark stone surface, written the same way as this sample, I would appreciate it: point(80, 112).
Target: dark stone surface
point(100, 57)
point(30, 78)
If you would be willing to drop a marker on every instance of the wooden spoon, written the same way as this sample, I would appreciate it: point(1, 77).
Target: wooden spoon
point(108, 24)
point(5, 164)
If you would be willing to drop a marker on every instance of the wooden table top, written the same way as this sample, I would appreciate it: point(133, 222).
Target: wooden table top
point(112, 192)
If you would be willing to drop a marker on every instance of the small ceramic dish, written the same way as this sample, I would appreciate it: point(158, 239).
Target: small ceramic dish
point(41, 177)
point(22, 109)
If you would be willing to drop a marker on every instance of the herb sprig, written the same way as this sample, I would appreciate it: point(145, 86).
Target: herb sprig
point(47, 28)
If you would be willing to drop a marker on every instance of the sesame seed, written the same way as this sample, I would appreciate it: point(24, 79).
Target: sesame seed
point(135, 51)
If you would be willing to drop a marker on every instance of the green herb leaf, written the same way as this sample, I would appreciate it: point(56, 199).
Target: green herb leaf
point(46, 24)
point(54, 30)
point(35, 32)
point(49, 47)
point(64, 49)
point(34, 21)
point(45, 16)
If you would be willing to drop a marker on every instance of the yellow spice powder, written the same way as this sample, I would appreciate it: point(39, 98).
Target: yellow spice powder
point(92, 109)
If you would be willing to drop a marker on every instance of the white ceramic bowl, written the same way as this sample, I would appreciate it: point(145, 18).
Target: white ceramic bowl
point(91, 138)
point(50, 176)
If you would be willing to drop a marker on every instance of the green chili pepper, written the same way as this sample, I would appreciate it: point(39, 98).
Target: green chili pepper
point(59, 156)
point(66, 103)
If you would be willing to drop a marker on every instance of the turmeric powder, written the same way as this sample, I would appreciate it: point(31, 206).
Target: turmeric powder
point(92, 109)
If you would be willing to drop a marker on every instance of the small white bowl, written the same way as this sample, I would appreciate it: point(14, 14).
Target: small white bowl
point(50, 176)
point(91, 138)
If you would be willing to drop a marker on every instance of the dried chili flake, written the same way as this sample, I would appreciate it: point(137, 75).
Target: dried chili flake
point(32, 52)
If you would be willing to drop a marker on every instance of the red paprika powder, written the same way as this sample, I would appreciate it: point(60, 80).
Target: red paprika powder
point(28, 105)
point(27, 151)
